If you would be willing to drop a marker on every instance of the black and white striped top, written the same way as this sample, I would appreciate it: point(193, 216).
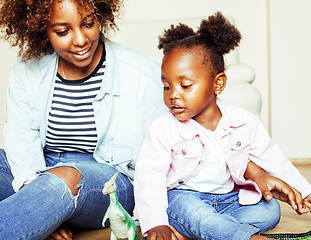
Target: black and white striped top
point(71, 121)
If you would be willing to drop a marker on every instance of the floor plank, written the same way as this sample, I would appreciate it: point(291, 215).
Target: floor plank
point(290, 221)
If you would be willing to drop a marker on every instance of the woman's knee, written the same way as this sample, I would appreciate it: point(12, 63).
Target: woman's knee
point(70, 176)
point(4, 165)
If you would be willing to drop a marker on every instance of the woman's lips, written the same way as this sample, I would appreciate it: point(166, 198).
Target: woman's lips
point(81, 55)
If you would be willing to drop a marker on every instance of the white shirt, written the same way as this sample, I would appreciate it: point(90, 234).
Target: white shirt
point(214, 176)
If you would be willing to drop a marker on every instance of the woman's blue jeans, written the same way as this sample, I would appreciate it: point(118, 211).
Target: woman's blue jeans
point(219, 216)
point(40, 207)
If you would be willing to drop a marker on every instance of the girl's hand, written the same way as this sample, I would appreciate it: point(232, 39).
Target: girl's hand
point(62, 233)
point(274, 187)
point(162, 232)
point(307, 202)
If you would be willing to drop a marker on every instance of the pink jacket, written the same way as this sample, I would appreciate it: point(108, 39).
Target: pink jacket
point(173, 152)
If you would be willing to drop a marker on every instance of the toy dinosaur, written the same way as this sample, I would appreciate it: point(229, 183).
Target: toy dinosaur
point(290, 236)
point(121, 223)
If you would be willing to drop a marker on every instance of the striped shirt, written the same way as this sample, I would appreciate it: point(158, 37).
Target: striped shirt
point(71, 122)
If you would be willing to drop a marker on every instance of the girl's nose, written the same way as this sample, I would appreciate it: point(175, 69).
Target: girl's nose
point(173, 93)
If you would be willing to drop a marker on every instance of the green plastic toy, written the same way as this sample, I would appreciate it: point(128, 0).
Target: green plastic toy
point(122, 224)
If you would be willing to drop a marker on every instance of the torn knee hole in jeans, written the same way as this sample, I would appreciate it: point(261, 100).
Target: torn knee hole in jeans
point(68, 177)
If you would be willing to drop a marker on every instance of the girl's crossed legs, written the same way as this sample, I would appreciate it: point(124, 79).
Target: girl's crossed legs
point(219, 216)
point(44, 204)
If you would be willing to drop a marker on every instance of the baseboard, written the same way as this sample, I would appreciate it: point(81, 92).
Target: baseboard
point(301, 161)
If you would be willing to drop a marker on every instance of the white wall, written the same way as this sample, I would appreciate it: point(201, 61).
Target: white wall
point(6, 62)
point(289, 56)
point(290, 76)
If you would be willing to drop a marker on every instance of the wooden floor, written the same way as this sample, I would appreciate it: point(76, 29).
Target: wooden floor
point(290, 222)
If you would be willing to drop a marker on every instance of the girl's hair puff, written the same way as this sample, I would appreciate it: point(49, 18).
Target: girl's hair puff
point(216, 35)
point(23, 22)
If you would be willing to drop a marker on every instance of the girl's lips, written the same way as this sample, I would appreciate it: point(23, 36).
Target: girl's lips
point(177, 109)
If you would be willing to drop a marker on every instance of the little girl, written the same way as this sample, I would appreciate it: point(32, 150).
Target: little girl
point(195, 169)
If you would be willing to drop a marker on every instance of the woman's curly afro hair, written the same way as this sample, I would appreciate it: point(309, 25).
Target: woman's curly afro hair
point(24, 22)
point(215, 34)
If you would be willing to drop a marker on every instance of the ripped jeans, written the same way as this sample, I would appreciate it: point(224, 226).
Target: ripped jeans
point(40, 207)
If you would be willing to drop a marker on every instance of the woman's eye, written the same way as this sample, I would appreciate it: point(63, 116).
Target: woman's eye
point(62, 33)
point(186, 86)
point(166, 88)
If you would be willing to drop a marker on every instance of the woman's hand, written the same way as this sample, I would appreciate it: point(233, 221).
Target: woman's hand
point(162, 232)
point(61, 233)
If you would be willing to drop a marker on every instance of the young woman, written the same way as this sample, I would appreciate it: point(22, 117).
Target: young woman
point(78, 109)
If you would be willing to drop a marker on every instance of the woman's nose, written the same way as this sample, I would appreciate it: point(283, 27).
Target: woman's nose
point(80, 39)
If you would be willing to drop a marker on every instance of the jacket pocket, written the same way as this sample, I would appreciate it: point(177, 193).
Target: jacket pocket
point(238, 159)
point(240, 142)
point(35, 120)
point(187, 158)
point(116, 154)
point(186, 155)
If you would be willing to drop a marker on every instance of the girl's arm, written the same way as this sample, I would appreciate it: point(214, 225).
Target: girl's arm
point(274, 187)
point(150, 189)
point(266, 154)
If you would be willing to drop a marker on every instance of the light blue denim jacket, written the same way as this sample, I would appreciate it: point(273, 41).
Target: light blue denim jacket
point(129, 99)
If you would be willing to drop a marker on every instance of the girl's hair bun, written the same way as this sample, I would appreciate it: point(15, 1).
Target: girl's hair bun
point(174, 34)
point(215, 32)
point(217, 29)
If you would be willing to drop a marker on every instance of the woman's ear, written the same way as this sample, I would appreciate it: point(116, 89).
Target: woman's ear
point(220, 82)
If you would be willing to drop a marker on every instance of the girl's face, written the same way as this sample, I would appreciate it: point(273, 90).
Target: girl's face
point(189, 89)
point(74, 34)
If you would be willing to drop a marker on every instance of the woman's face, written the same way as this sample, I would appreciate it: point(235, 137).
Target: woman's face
point(74, 34)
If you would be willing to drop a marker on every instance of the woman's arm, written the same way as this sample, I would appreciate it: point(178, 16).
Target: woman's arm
point(21, 132)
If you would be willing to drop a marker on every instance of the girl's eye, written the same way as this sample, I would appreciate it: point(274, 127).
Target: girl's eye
point(186, 86)
point(166, 88)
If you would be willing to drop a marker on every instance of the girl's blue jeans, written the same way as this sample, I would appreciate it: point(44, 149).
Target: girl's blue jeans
point(40, 207)
point(219, 216)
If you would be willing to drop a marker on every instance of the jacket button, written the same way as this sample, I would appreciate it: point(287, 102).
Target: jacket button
point(238, 144)
point(184, 152)
point(200, 162)
point(180, 181)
